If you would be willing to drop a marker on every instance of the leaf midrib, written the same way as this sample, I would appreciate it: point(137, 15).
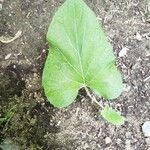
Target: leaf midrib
point(77, 43)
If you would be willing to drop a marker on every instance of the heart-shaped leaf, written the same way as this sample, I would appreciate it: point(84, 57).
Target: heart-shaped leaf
point(79, 56)
point(112, 116)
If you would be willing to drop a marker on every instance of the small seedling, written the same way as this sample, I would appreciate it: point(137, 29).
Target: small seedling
point(80, 56)
point(8, 115)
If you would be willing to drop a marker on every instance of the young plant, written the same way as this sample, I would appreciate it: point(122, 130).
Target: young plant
point(8, 115)
point(79, 56)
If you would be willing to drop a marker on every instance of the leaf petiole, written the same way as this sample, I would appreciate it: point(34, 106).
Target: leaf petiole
point(92, 97)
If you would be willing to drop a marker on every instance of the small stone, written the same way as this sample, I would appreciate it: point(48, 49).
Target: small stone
point(146, 129)
point(7, 56)
point(147, 79)
point(32, 121)
point(108, 140)
point(123, 52)
point(126, 87)
point(14, 66)
point(127, 145)
point(86, 146)
point(58, 123)
point(138, 36)
point(119, 141)
point(35, 75)
point(99, 18)
point(1, 7)
point(128, 135)
point(147, 141)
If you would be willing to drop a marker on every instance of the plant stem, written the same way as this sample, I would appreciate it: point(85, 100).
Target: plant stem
point(92, 97)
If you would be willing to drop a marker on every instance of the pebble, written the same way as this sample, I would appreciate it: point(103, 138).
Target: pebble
point(146, 129)
point(108, 140)
point(148, 141)
point(138, 36)
point(7, 56)
point(128, 135)
point(126, 87)
point(128, 145)
point(119, 141)
point(147, 79)
point(1, 7)
point(123, 52)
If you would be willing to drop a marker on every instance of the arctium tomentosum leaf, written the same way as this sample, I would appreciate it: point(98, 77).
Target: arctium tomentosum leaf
point(79, 55)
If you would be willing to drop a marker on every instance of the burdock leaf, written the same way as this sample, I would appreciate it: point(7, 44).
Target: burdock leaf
point(79, 55)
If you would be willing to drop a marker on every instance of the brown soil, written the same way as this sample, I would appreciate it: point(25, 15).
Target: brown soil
point(35, 123)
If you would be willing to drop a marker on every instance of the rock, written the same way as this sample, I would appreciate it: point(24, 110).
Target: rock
point(148, 141)
point(123, 52)
point(1, 7)
point(146, 129)
point(138, 36)
point(126, 87)
point(128, 145)
point(128, 135)
point(108, 140)
point(119, 141)
point(147, 79)
point(7, 56)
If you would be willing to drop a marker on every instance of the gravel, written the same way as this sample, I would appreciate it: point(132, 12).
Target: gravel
point(146, 129)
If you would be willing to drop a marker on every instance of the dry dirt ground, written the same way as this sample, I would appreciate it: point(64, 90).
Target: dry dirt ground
point(30, 122)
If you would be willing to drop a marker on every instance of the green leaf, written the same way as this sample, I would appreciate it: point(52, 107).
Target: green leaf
point(79, 56)
point(112, 116)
